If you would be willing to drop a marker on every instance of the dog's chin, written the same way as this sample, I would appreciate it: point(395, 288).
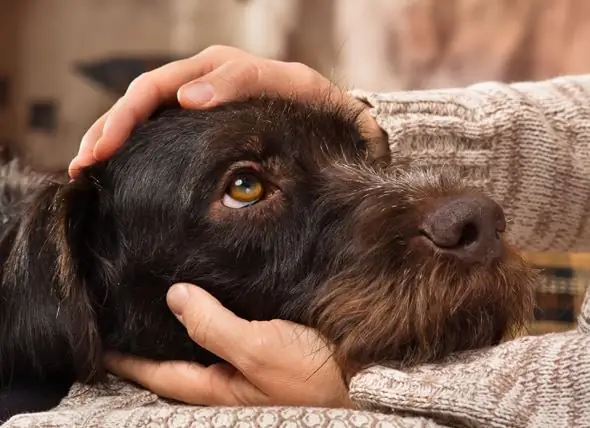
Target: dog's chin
point(422, 314)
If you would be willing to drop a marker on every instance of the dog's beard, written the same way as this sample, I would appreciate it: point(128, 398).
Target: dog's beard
point(422, 313)
point(390, 298)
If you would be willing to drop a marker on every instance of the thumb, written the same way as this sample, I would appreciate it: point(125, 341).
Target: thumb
point(241, 79)
point(232, 81)
point(210, 324)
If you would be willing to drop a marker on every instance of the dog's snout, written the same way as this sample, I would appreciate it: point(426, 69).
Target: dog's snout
point(466, 227)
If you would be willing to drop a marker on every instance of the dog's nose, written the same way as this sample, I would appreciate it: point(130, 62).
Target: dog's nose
point(467, 227)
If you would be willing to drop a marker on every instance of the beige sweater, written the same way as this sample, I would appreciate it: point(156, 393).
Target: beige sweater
point(528, 145)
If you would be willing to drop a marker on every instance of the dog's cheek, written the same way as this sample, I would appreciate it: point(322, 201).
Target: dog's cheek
point(514, 287)
point(390, 316)
point(360, 316)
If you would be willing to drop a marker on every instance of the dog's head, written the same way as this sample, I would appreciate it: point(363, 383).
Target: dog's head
point(283, 210)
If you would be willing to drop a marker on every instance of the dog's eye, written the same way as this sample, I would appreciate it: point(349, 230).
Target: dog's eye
point(244, 190)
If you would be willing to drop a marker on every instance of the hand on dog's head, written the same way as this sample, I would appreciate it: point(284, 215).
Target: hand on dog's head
point(278, 209)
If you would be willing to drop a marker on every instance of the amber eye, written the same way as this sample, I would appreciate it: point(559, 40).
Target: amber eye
point(244, 190)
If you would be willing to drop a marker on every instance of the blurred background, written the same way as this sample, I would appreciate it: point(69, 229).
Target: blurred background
point(64, 62)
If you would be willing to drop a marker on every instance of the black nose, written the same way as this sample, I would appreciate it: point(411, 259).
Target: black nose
point(467, 227)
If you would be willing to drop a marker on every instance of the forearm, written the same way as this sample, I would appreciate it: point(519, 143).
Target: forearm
point(527, 145)
point(531, 381)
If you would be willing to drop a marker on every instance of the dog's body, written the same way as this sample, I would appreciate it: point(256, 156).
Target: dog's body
point(280, 210)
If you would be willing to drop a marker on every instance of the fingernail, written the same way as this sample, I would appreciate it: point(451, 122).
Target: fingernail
point(177, 298)
point(198, 93)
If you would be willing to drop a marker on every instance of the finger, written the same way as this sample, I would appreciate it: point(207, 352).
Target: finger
point(218, 384)
point(211, 325)
point(152, 89)
point(231, 81)
point(85, 155)
point(79, 162)
point(240, 79)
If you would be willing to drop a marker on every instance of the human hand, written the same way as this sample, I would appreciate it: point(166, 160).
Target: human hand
point(272, 362)
point(216, 75)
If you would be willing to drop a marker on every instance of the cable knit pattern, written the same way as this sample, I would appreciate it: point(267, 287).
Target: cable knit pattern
point(526, 144)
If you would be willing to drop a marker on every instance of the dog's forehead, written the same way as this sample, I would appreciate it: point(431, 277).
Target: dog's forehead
point(177, 148)
point(282, 127)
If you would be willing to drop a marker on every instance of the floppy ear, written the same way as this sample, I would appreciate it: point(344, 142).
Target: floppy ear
point(49, 292)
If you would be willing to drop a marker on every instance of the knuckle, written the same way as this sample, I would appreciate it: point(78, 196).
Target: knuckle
point(215, 50)
point(304, 72)
point(246, 69)
point(253, 356)
point(298, 66)
point(242, 77)
point(141, 82)
point(198, 328)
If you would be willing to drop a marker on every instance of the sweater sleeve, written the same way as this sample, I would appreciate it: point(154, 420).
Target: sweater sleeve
point(528, 382)
point(526, 144)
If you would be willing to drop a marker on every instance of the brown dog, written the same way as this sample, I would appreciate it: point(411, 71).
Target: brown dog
point(280, 210)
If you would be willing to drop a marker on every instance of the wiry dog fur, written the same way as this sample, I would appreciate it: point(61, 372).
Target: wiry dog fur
point(86, 264)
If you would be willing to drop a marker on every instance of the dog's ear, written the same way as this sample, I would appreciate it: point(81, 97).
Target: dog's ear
point(54, 264)
point(86, 239)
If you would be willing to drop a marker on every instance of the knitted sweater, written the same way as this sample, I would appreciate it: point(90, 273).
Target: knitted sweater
point(526, 144)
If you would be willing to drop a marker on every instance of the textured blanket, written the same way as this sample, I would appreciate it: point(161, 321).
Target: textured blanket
point(528, 146)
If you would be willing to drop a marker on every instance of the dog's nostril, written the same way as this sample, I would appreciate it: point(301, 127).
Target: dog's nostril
point(466, 227)
point(468, 235)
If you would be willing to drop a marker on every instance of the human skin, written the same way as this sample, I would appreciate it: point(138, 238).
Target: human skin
point(268, 362)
